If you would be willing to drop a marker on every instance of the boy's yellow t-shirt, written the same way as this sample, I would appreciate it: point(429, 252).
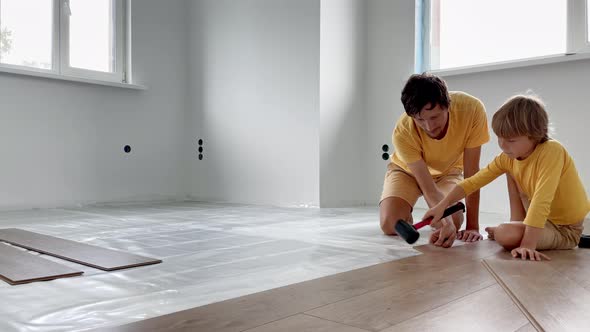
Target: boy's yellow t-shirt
point(548, 177)
point(468, 128)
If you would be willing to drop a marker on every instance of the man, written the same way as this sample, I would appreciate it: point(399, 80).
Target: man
point(436, 141)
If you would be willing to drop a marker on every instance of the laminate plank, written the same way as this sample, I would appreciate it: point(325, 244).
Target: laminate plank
point(553, 301)
point(304, 323)
point(81, 253)
point(574, 264)
point(473, 250)
point(257, 309)
point(409, 297)
point(489, 309)
point(19, 267)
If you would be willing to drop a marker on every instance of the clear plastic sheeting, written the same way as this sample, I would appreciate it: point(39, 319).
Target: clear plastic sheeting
point(210, 253)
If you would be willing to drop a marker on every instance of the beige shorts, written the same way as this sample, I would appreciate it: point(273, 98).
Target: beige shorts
point(560, 236)
point(556, 236)
point(399, 183)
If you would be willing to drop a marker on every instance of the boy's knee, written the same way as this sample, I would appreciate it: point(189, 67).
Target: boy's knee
point(508, 236)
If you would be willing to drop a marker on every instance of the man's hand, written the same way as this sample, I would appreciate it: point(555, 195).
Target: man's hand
point(430, 190)
point(529, 253)
point(469, 235)
point(444, 236)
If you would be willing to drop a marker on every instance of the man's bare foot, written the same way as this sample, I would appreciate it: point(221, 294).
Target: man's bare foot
point(490, 231)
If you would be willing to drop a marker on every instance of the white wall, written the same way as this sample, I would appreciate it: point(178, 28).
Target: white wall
point(287, 118)
point(343, 120)
point(563, 86)
point(62, 143)
point(323, 85)
point(390, 62)
point(254, 100)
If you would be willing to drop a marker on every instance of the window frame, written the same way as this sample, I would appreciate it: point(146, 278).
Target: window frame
point(577, 27)
point(60, 47)
point(576, 39)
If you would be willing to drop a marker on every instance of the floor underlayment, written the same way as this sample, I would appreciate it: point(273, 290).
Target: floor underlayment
point(210, 253)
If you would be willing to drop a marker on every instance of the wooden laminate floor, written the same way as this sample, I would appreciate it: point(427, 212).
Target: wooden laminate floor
point(474, 286)
point(554, 295)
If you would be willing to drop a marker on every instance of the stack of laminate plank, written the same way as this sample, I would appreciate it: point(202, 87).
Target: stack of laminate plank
point(18, 266)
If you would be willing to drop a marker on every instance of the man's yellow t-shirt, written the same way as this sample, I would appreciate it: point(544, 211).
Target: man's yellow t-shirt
point(549, 179)
point(468, 128)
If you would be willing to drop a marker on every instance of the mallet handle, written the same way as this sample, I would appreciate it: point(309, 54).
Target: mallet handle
point(448, 211)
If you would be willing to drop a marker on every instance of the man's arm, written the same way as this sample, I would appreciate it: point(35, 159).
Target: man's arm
point(430, 190)
point(471, 233)
point(471, 158)
point(433, 196)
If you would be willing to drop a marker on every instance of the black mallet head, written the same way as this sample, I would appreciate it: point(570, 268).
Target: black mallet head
point(584, 241)
point(407, 231)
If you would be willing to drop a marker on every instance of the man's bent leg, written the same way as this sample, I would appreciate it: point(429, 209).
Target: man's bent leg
point(400, 193)
point(391, 210)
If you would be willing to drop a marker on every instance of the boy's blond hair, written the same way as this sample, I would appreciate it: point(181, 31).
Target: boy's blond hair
point(522, 115)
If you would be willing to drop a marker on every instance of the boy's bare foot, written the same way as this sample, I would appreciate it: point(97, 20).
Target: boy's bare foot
point(490, 231)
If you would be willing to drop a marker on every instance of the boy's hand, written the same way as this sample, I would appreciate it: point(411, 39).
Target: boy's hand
point(469, 235)
point(436, 213)
point(444, 236)
point(531, 254)
point(433, 197)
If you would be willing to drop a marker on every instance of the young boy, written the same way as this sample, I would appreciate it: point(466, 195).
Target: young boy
point(545, 190)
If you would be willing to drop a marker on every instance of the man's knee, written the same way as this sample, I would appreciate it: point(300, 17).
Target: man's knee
point(391, 211)
point(508, 236)
point(388, 227)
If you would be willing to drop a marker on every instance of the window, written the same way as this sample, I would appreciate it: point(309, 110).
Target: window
point(25, 44)
point(78, 38)
point(461, 33)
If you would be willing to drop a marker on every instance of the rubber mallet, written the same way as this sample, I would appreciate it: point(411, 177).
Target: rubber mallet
point(584, 241)
point(410, 232)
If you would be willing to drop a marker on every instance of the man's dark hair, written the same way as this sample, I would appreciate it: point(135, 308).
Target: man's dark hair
point(422, 89)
